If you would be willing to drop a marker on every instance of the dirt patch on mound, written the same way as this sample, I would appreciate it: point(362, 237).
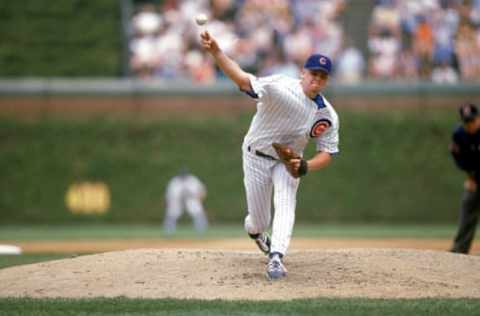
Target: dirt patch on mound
point(215, 274)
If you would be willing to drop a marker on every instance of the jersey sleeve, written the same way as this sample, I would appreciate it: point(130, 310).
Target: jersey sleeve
point(261, 86)
point(328, 141)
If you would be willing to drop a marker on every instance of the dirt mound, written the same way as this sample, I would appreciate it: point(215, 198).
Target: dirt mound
point(202, 274)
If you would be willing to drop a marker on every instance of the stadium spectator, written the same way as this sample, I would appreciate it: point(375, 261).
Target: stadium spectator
point(423, 47)
point(408, 65)
point(443, 72)
point(199, 68)
point(147, 21)
point(438, 40)
point(277, 63)
point(468, 51)
point(384, 53)
point(350, 65)
point(146, 24)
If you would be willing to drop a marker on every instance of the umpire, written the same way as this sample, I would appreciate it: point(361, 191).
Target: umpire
point(465, 149)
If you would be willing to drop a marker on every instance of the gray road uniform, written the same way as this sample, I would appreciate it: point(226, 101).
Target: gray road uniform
point(185, 192)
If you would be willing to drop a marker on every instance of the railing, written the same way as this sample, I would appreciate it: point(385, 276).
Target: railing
point(114, 87)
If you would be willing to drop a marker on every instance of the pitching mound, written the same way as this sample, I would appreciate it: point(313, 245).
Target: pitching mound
point(152, 273)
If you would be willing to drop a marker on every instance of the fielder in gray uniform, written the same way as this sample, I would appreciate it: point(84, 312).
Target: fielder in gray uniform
point(185, 191)
point(289, 112)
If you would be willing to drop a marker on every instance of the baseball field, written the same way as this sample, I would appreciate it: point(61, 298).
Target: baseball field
point(333, 269)
point(371, 235)
point(103, 103)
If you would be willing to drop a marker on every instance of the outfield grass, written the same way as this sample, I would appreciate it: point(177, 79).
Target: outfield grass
point(15, 260)
point(334, 307)
point(71, 232)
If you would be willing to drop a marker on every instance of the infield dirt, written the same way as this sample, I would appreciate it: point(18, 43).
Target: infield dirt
point(231, 275)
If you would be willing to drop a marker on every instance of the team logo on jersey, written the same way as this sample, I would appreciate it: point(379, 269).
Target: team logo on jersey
point(319, 127)
point(322, 60)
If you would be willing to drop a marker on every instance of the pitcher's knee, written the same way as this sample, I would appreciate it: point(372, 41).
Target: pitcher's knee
point(253, 226)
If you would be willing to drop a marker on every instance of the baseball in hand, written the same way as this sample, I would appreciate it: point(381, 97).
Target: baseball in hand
point(201, 19)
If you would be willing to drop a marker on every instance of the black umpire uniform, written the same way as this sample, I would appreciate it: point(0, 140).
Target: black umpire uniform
point(465, 149)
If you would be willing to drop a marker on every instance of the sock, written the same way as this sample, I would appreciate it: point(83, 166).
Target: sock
point(273, 254)
point(254, 236)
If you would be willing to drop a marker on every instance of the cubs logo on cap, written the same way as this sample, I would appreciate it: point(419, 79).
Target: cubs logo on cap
point(319, 62)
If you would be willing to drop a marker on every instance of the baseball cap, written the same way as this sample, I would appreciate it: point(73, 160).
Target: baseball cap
point(319, 62)
point(468, 112)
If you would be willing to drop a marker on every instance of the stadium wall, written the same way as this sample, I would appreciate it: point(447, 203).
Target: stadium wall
point(121, 146)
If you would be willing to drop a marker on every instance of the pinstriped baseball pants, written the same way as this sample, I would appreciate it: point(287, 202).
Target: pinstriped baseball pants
point(262, 179)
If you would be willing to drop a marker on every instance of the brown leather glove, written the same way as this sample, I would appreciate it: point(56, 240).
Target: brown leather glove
point(286, 154)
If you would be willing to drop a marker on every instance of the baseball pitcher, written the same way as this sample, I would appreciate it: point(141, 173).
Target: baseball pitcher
point(289, 113)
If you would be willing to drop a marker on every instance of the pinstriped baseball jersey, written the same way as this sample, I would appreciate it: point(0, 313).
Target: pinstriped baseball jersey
point(286, 115)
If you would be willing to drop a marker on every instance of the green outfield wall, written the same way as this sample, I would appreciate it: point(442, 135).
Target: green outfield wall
point(394, 166)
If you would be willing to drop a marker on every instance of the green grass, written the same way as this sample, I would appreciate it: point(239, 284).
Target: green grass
point(15, 260)
point(334, 307)
point(71, 232)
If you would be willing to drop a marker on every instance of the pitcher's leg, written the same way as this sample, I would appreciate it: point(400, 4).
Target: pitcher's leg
point(284, 200)
point(258, 190)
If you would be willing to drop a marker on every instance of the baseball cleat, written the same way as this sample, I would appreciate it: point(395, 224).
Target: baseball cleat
point(275, 268)
point(263, 242)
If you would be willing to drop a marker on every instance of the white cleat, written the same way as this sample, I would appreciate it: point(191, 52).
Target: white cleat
point(275, 268)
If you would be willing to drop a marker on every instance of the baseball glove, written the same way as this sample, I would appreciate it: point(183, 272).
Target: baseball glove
point(286, 154)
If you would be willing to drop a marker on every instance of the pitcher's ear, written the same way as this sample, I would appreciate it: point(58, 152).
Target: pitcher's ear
point(302, 73)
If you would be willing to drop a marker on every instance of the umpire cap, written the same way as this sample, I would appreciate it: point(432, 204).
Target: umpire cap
point(468, 112)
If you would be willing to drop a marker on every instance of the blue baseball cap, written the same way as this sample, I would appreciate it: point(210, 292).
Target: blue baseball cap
point(319, 62)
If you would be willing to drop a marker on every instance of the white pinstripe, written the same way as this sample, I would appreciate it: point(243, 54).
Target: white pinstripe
point(284, 115)
point(285, 201)
point(258, 188)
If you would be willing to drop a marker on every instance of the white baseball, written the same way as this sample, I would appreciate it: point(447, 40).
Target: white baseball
point(201, 19)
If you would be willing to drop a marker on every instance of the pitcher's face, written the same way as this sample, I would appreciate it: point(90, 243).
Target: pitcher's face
point(313, 81)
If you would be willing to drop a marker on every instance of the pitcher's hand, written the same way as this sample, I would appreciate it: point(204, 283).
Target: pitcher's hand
point(209, 43)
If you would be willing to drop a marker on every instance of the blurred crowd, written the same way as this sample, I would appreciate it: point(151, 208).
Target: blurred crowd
point(409, 40)
point(428, 40)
